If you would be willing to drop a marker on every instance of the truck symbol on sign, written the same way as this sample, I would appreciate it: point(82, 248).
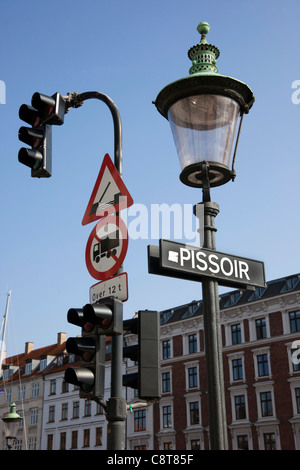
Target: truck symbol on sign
point(107, 247)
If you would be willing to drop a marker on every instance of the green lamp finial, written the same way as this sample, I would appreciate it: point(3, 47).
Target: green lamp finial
point(204, 55)
point(203, 28)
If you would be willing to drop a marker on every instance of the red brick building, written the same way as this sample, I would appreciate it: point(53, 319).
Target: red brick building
point(260, 331)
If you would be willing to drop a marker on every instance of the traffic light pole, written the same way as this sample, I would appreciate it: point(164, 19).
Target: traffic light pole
point(116, 406)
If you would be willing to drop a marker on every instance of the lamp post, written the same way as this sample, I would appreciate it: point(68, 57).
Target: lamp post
point(11, 421)
point(205, 111)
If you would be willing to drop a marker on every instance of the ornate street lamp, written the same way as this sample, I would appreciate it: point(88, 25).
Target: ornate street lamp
point(11, 421)
point(205, 111)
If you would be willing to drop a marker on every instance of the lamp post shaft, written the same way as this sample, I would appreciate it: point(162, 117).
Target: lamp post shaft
point(213, 342)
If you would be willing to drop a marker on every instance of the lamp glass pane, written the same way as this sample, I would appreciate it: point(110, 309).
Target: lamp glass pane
point(204, 128)
point(10, 429)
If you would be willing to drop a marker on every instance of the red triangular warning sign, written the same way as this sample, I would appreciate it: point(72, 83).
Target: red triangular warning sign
point(109, 195)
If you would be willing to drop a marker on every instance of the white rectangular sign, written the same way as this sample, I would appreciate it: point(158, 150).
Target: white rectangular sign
point(116, 286)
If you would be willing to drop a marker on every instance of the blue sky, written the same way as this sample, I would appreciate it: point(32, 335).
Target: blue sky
point(130, 51)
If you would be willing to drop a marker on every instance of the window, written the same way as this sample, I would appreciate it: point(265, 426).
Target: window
point(164, 317)
point(262, 365)
point(60, 360)
point(21, 392)
point(168, 446)
point(194, 412)
point(63, 439)
point(195, 444)
point(140, 420)
point(28, 367)
point(242, 442)
point(76, 409)
point(260, 325)
point(167, 416)
point(64, 411)
point(236, 333)
point(192, 377)
point(64, 387)
point(32, 443)
point(99, 409)
point(71, 358)
point(295, 321)
point(74, 439)
point(8, 395)
point(43, 363)
point(87, 408)
point(166, 349)
point(297, 396)
point(266, 404)
point(233, 298)
point(294, 359)
point(51, 417)
point(52, 387)
point(269, 441)
point(290, 284)
point(98, 436)
point(237, 369)
point(86, 438)
point(34, 416)
point(50, 442)
point(35, 390)
point(192, 344)
point(166, 382)
point(240, 407)
point(257, 293)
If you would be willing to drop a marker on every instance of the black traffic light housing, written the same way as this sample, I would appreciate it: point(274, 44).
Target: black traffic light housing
point(107, 314)
point(90, 348)
point(97, 321)
point(146, 325)
point(44, 112)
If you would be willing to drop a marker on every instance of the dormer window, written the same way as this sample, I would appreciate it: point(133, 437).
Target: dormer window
point(290, 283)
point(233, 298)
point(257, 293)
point(28, 367)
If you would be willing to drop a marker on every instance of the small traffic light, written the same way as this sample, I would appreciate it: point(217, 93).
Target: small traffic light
point(146, 325)
point(90, 348)
point(107, 314)
point(44, 112)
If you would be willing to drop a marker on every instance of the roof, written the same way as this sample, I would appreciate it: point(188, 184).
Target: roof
point(19, 361)
point(235, 298)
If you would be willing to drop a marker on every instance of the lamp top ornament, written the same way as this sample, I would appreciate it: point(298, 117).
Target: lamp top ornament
point(203, 56)
point(12, 415)
point(204, 78)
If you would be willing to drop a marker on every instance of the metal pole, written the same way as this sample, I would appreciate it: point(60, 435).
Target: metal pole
point(4, 329)
point(212, 334)
point(116, 407)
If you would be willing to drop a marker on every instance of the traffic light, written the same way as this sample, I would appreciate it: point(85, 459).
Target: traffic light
point(146, 325)
point(107, 314)
point(44, 112)
point(90, 347)
point(97, 321)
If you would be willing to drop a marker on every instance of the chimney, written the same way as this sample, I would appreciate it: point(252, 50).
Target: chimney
point(61, 338)
point(28, 347)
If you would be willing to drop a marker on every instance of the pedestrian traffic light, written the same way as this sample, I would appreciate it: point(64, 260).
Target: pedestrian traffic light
point(107, 314)
point(90, 347)
point(44, 112)
point(146, 325)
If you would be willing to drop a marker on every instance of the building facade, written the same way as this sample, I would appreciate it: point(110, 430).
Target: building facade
point(261, 355)
point(22, 382)
point(261, 341)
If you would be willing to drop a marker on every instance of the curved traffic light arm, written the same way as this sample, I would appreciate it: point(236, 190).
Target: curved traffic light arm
point(75, 100)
